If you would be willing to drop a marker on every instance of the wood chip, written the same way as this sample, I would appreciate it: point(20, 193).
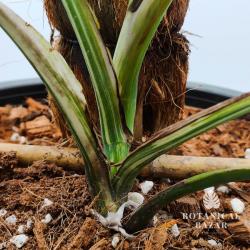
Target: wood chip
point(18, 113)
point(5, 110)
point(84, 236)
point(184, 205)
point(241, 229)
point(34, 105)
point(243, 190)
point(157, 239)
point(100, 245)
point(38, 230)
point(40, 126)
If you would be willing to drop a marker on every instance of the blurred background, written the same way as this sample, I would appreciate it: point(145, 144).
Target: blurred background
point(218, 31)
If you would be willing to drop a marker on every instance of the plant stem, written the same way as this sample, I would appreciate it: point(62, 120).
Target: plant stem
point(141, 217)
point(165, 166)
point(181, 167)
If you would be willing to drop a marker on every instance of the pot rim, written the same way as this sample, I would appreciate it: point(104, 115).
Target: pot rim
point(198, 94)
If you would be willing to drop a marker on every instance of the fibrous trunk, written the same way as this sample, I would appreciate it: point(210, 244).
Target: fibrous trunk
point(163, 76)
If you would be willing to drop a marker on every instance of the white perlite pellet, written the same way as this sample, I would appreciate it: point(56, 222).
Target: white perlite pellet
point(11, 220)
point(3, 212)
point(212, 243)
point(135, 197)
point(247, 153)
point(21, 229)
point(209, 190)
point(223, 189)
point(19, 240)
point(238, 206)
point(15, 137)
point(146, 186)
point(47, 219)
point(115, 240)
point(175, 230)
point(46, 203)
point(29, 223)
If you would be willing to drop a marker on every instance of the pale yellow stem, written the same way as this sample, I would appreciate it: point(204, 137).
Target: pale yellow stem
point(165, 166)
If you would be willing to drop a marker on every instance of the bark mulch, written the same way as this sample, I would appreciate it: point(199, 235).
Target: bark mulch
point(52, 206)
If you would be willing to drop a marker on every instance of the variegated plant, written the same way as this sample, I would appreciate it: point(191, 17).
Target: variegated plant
point(110, 165)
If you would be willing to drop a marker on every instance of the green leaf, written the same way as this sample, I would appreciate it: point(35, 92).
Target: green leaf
point(102, 76)
point(66, 90)
point(141, 22)
point(142, 216)
point(175, 135)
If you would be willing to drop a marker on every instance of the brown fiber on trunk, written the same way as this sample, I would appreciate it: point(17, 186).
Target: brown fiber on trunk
point(110, 12)
point(163, 83)
point(176, 14)
point(163, 76)
point(104, 11)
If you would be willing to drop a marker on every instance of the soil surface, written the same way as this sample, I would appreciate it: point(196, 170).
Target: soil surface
point(49, 208)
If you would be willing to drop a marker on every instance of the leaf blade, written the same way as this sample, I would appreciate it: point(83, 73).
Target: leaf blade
point(67, 91)
point(141, 217)
point(140, 24)
point(175, 135)
point(103, 78)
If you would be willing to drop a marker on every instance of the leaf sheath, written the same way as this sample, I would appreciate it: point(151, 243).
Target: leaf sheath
point(102, 76)
point(139, 27)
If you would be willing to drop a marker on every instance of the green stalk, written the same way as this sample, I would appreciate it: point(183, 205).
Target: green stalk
point(175, 135)
point(67, 91)
point(141, 217)
point(139, 27)
point(102, 76)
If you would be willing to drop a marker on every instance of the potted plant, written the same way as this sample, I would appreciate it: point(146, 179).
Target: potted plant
point(113, 160)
